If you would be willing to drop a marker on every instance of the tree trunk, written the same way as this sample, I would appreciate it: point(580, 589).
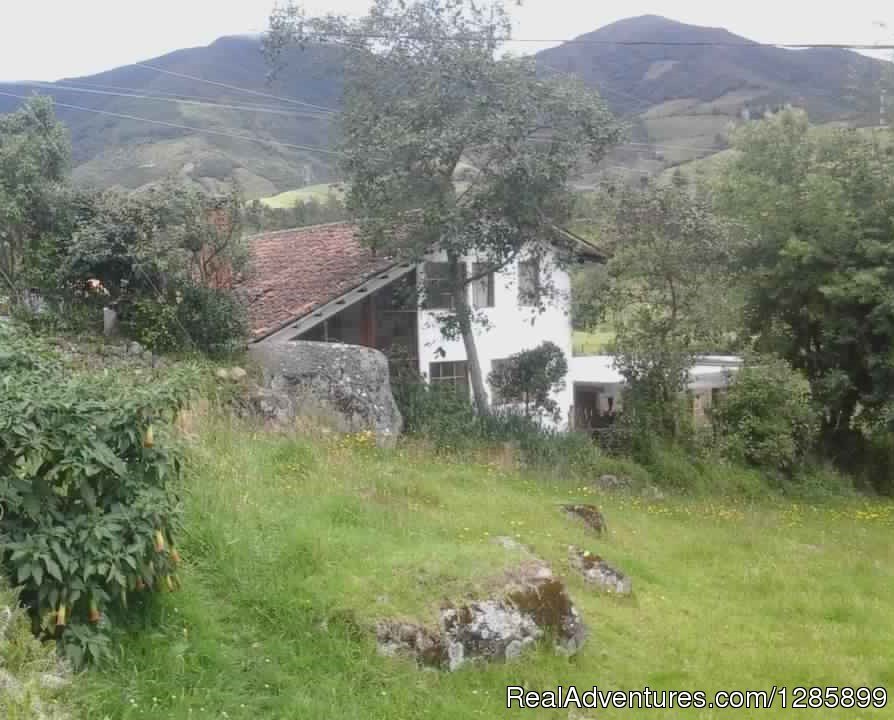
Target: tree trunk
point(464, 318)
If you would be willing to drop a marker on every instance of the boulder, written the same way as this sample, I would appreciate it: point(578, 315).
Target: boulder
point(396, 637)
point(533, 604)
point(344, 387)
point(598, 572)
point(589, 514)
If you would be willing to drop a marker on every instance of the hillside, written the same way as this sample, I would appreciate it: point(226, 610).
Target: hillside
point(679, 100)
point(293, 549)
point(113, 151)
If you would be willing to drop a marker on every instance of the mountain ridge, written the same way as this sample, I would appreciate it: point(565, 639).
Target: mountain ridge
point(680, 91)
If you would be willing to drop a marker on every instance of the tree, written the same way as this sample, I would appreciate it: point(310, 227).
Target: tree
point(666, 294)
point(529, 378)
point(426, 96)
point(816, 209)
point(767, 418)
point(34, 160)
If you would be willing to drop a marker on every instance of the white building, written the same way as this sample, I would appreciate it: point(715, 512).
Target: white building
point(320, 283)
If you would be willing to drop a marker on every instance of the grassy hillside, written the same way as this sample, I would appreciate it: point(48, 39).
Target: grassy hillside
point(288, 198)
point(293, 547)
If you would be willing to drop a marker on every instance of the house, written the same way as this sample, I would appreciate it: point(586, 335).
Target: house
point(598, 387)
point(320, 283)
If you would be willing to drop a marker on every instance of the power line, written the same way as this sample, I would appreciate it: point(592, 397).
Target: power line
point(207, 103)
point(237, 88)
point(639, 43)
point(192, 128)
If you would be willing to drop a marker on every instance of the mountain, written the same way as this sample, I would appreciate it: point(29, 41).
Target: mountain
point(111, 150)
point(679, 87)
point(682, 87)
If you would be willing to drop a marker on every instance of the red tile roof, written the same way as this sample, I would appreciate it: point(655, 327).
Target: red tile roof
point(292, 272)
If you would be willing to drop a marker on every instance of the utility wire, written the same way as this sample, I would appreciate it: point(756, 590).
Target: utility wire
point(206, 103)
point(293, 101)
point(192, 128)
point(636, 43)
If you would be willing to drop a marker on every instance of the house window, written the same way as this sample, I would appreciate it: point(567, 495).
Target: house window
point(450, 374)
point(482, 288)
point(438, 287)
point(529, 289)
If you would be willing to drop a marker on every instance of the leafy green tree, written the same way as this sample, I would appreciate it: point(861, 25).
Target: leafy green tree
point(816, 209)
point(767, 417)
point(34, 161)
point(666, 295)
point(427, 98)
point(529, 379)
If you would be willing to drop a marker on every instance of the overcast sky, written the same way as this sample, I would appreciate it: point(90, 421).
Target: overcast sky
point(63, 38)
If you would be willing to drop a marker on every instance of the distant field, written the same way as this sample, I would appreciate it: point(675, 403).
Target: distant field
point(288, 198)
point(593, 342)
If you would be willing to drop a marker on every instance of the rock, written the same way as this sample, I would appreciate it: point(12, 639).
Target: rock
point(589, 514)
point(653, 492)
point(134, 348)
point(147, 356)
point(534, 591)
point(406, 638)
point(534, 604)
point(486, 630)
point(222, 374)
point(597, 572)
point(237, 374)
point(51, 681)
point(611, 482)
point(343, 387)
point(510, 543)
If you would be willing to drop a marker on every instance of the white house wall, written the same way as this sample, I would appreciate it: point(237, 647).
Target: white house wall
point(511, 327)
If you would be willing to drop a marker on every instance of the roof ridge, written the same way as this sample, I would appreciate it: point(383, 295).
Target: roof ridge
point(300, 228)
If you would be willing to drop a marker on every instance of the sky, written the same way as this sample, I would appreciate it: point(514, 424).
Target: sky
point(53, 39)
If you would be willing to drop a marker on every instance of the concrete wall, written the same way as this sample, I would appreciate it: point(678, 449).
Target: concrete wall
point(512, 327)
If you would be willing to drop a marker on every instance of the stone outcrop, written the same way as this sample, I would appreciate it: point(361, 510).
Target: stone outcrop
point(345, 388)
point(533, 604)
point(598, 572)
point(590, 515)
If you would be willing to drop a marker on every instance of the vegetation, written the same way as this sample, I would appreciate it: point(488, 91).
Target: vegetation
point(768, 417)
point(816, 209)
point(165, 259)
point(87, 467)
point(26, 663)
point(529, 379)
point(34, 156)
point(425, 92)
point(303, 210)
point(293, 549)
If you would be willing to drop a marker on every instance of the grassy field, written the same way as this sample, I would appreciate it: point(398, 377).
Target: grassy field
point(593, 342)
point(288, 198)
point(292, 548)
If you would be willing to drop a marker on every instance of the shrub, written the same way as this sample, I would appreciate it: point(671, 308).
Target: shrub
point(192, 317)
point(529, 378)
point(767, 418)
point(24, 663)
point(86, 470)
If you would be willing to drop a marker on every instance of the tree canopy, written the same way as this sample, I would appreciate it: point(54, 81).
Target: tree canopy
point(448, 144)
point(816, 250)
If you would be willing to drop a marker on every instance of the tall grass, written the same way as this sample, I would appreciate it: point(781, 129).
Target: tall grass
point(293, 548)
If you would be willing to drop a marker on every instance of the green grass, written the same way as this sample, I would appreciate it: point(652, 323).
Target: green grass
point(593, 342)
point(293, 548)
point(288, 198)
